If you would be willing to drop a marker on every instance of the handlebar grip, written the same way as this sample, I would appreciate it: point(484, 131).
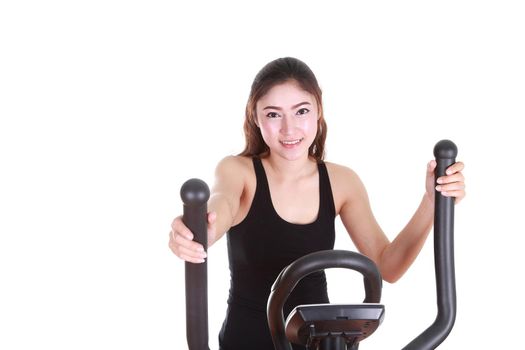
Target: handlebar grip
point(445, 152)
point(195, 194)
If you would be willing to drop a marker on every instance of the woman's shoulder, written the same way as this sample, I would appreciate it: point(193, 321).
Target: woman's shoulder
point(236, 165)
point(235, 161)
point(234, 174)
point(340, 172)
point(346, 184)
point(343, 178)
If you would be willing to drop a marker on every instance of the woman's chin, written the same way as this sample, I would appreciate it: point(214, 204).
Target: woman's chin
point(293, 155)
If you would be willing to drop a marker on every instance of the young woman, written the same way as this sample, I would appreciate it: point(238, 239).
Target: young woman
point(278, 200)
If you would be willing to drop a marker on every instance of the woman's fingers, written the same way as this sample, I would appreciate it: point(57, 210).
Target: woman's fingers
point(431, 166)
point(457, 194)
point(455, 186)
point(212, 216)
point(181, 240)
point(188, 253)
point(457, 177)
point(453, 183)
point(185, 248)
point(455, 168)
point(177, 226)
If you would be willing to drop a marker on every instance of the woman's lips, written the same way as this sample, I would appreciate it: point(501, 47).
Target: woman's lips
point(290, 143)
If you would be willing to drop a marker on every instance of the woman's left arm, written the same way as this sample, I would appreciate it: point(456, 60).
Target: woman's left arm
point(394, 258)
point(397, 256)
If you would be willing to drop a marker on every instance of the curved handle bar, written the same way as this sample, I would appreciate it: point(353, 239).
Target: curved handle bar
point(445, 152)
point(293, 273)
point(195, 194)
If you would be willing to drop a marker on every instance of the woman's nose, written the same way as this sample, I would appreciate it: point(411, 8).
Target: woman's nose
point(287, 125)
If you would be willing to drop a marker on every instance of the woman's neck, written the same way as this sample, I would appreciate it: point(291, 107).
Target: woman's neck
point(290, 170)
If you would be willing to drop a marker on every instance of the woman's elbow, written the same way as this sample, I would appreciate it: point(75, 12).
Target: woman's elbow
point(390, 280)
point(390, 276)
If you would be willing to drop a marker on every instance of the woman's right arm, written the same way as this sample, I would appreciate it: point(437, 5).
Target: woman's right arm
point(223, 206)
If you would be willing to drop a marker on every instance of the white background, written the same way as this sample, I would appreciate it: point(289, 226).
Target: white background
point(107, 107)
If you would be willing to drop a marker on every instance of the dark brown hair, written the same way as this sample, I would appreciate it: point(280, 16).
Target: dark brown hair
point(274, 73)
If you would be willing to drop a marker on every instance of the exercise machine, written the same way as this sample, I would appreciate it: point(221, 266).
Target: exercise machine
point(327, 326)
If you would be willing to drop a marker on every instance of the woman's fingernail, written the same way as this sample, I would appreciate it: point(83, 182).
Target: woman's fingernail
point(438, 188)
point(439, 181)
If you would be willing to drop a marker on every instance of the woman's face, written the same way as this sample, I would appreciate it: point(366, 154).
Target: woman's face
point(287, 117)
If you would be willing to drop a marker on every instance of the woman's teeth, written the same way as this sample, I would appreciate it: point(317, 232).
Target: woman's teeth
point(291, 142)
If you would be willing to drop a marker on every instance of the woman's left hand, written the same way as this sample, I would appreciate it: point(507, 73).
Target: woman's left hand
point(450, 185)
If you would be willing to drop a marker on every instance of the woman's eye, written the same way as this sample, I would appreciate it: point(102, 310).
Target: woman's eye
point(272, 115)
point(303, 111)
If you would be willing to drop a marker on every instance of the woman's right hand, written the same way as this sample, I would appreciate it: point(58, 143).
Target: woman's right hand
point(181, 240)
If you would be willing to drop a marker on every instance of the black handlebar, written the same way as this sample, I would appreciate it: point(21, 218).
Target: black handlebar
point(445, 152)
point(293, 273)
point(195, 194)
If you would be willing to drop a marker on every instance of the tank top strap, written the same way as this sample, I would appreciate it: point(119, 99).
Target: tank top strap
point(260, 175)
point(262, 200)
point(325, 189)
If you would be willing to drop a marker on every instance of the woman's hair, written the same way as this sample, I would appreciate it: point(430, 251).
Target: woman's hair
point(274, 73)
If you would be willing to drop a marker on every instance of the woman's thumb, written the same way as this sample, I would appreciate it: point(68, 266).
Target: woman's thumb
point(212, 216)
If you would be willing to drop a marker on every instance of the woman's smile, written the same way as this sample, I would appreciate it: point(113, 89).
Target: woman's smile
point(291, 143)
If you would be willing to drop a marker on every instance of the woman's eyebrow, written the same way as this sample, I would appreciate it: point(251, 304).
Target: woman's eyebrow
point(293, 107)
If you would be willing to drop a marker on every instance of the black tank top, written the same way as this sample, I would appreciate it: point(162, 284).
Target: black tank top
point(258, 249)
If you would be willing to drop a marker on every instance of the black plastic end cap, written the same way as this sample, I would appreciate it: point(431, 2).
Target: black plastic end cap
point(194, 192)
point(445, 149)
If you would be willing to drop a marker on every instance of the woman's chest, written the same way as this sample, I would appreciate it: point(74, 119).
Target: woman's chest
point(297, 203)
